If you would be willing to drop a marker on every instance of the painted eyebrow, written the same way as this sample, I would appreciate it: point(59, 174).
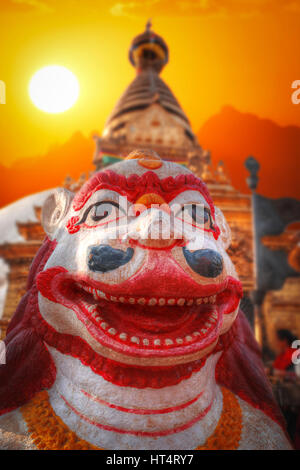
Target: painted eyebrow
point(205, 208)
point(180, 204)
point(96, 204)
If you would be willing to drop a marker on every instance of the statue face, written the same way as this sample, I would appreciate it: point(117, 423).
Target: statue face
point(140, 269)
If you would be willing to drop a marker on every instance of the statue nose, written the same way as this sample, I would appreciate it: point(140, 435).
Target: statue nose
point(207, 263)
point(156, 229)
point(104, 258)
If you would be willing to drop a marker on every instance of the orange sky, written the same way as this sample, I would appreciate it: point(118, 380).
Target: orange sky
point(238, 52)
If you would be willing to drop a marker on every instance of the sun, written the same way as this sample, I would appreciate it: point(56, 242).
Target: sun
point(54, 89)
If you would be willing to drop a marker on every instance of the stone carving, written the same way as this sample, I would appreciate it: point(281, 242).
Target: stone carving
point(130, 335)
point(240, 251)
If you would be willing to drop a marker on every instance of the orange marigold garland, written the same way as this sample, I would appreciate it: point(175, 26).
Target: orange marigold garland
point(49, 432)
point(228, 432)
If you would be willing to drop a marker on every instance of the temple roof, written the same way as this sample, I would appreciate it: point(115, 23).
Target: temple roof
point(147, 88)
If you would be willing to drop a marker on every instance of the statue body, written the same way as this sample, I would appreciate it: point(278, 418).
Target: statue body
point(130, 335)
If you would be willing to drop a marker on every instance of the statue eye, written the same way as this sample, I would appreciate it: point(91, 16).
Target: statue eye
point(196, 214)
point(104, 210)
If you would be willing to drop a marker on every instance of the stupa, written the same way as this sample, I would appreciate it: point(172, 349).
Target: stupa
point(148, 115)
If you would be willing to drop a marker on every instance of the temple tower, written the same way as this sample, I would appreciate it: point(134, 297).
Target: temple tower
point(147, 114)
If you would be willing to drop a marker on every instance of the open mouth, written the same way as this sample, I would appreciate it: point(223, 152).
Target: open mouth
point(140, 325)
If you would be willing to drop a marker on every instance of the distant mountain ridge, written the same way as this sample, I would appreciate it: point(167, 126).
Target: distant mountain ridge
point(230, 135)
point(31, 175)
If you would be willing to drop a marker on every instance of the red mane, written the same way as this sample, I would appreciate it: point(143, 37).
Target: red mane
point(29, 367)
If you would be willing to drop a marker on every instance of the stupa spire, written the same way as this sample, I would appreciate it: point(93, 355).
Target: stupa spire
point(148, 50)
point(148, 114)
point(148, 25)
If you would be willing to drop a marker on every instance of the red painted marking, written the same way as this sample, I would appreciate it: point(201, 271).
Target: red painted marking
point(143, 411)
point(177, 242)
point(165, 432)
point(134, 186)
point(30, 368)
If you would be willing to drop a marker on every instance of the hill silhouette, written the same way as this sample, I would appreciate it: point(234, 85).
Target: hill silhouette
point(31, 175)
point(230, 136)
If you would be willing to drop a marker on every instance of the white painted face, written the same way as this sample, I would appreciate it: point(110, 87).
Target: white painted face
point(139, 271)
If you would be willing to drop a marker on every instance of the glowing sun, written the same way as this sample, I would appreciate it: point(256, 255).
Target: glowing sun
point(54, 89)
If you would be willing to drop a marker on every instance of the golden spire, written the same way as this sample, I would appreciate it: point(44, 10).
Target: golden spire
point(148, 25)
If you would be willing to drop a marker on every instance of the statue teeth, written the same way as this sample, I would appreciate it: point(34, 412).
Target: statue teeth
point(168, 342)
point(188, 338)
point(98, 294)
point(157, 342)
point(146, 342)
point(123, 336)
point(196, 333)
point(112, 331)
point(104, 325)
point(135, 339)
point(179, 340)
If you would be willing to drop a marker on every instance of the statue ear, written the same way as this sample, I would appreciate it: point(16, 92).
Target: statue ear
point(55, 209)
point(225, 234)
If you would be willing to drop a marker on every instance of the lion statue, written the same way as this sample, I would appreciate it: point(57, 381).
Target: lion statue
point(130, 335)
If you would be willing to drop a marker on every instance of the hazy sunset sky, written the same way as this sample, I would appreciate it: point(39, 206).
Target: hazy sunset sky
point(242, 53)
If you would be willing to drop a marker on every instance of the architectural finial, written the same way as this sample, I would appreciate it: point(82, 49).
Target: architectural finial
point(148, 25)
point(148, 50)
point(221, 174)
point(252, 166)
